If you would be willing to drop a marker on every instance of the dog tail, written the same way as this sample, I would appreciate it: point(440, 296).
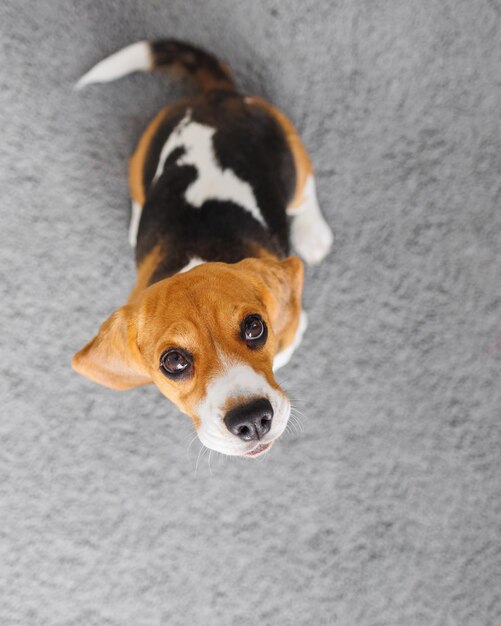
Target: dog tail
point(148, 56)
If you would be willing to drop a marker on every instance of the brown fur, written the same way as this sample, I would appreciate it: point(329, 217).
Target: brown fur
point(136, 162)
point(207, 81)
point(200, 311)
point(145, 271)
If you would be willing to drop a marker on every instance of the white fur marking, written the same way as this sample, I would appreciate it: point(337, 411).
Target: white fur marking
point(310, 233)
point(212, 183)
point(196, 260)
point(283, 357)
point(133, 58)
point(238, 380)
point(135, 218)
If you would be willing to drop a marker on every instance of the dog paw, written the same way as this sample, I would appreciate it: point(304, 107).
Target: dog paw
point(311, 237)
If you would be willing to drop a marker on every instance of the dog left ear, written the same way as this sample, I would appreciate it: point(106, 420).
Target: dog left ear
point(288, 300)
point(112, 358)
point(284, 282)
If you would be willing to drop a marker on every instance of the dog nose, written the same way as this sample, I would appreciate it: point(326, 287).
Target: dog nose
point(250, 421)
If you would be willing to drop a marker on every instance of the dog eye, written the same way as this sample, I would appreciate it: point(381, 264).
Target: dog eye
point(253, 328)
point(254, 331)
point(175, 362)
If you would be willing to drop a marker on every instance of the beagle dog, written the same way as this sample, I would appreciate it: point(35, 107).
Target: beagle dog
point(216, 308)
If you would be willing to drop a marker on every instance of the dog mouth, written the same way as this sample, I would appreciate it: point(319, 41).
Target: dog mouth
point(259, 449)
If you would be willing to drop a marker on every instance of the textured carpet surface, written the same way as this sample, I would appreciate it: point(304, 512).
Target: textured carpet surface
point(386, 510)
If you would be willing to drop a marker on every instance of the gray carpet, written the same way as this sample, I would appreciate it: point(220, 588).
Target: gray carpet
point(386, 510)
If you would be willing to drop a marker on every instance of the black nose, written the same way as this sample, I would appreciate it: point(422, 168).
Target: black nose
point(250, 421)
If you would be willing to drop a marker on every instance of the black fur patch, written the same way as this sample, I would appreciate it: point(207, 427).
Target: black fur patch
point(252, 145)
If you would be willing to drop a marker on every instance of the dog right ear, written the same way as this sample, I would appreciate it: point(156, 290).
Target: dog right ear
point(112, 358)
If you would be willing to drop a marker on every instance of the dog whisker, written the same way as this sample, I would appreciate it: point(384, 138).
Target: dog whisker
point(295, 399)
point(298, 412)
point(293, 425)
point(201, 453)
point(297, 421)
point(194, 438)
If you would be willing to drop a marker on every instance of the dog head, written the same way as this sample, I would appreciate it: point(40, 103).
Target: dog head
point(207, 339)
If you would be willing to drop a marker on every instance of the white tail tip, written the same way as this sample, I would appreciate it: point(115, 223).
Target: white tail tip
point(134, 58)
